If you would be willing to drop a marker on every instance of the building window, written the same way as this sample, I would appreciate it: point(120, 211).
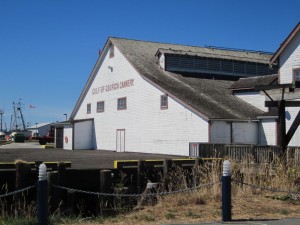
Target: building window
point(164, 101)
point(111, 51)
point(100, 106)
point(121, 103)
point(297, 74)
point(88, 108)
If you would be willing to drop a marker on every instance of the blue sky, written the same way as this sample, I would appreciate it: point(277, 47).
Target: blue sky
point(48, 48)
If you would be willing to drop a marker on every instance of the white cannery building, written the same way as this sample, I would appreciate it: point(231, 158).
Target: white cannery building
point(287, 93)
point(157, 98)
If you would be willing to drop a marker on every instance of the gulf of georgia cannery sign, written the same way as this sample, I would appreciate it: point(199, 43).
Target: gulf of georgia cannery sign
point(113, 86)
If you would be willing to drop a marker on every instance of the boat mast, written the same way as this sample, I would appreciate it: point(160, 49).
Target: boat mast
point(17, 115)
point(14, 118)
point(1, 119)
point(22, 117)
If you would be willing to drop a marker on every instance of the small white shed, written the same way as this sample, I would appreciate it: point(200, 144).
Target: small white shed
point(73, 135)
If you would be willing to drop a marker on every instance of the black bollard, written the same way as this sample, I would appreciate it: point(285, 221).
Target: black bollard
point(42, 195)
point(226, 192)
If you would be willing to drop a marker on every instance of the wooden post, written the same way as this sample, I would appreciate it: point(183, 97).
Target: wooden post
point(140, 175)
point(22, 169)
point(282, 127)
point(70, 204)
point(253, 154)
point(167, 165)
point(105, 187)
point(54, 200)
point(196, 172)
point(61, 178)
point(105, 181)
point(61, 181)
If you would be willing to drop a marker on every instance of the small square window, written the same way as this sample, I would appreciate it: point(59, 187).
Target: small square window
point(88, 108)
point(122, 103)
point(164, 101)
point(297, 74)
point(100, 106)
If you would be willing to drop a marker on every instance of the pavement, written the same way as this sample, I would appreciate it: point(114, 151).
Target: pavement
point(80, 159)
point(31, 145)
point(288, 221)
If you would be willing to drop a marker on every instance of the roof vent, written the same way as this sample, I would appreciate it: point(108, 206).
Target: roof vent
point(227, 67)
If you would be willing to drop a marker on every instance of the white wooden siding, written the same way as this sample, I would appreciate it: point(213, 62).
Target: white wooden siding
point(84, 135)
point(254, 98)
point(161, 61)
point(290, 114)
point(148, 128)
point(245, 132)
point(289, 59)
point(220, 132)
point(68, 138)
point(268, 132)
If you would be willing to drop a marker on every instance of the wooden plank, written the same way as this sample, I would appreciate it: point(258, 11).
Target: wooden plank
point(287, 103)
point(273, 86)
point(281, 139)
point(33, 165)
point(182, 162)
point(293, 128)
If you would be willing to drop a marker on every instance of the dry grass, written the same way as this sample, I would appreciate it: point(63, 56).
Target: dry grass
point(204, 204)
point(191, 209)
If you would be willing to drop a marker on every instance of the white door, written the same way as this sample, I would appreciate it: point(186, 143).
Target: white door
point(121, 140)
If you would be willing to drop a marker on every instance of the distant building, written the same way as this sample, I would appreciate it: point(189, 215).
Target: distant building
point(40, 129)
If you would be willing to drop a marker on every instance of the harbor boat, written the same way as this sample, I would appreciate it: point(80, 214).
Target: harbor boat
point(18, 122)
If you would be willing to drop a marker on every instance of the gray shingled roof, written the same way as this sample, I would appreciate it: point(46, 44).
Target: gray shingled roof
point(251, 82)
point(207, 96)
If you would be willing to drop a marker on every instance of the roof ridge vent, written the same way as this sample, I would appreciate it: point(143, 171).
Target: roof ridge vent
point(237, 50)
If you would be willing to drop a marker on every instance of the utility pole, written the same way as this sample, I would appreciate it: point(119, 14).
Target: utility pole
point(1, 119)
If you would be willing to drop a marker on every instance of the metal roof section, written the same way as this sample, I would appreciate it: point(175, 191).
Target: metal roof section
point(226, 68)
point(39, 125)
point(220, 53)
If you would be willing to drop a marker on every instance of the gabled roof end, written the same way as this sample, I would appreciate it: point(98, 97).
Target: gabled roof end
point(285, 43)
